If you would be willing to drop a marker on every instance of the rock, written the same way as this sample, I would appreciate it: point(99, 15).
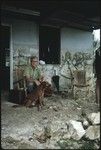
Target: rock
point(66, 136)
point(68, 144)
point(76, 129)
point(85, 123)
point(59, 126)
point(47, 131)
point(41, 138)
point(25, 146)
point(93, 132)
point(30, 139)
point(94, 118)
point(10, 140)
point(50, 107)
point(58, 129)
point(44, 118)
point(55, 108)
point(46, 134)
point(78, 108)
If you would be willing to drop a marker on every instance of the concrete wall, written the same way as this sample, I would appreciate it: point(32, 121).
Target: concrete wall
point(25, 35)
point(24, 42)
point(74, 43)
point(76, 40)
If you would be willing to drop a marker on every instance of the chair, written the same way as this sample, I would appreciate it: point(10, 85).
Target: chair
point(80, 81)
point(19, 92)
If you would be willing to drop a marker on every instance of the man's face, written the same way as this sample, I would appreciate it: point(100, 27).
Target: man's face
point(34, 62)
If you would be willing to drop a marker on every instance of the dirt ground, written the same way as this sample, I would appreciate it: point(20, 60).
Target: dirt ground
point(19, 126)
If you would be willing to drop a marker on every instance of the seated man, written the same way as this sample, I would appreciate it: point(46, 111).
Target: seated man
point(32, 74)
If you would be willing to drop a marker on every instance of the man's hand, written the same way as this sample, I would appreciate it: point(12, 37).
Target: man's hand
point(30, 79)
point(37, 82)
point(41, 79)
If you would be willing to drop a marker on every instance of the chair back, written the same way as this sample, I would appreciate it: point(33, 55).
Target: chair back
point(80, 77)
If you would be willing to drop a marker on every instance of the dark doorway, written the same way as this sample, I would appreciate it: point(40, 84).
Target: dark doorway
point(5, 58)
point(49, 44)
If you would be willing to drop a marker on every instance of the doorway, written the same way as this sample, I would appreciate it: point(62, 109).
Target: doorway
point(5, 58)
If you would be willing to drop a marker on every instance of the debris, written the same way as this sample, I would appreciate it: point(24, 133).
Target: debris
point(85, 124)
point(76, 129)
point(93, 132)
point(94, 118)
point(45, 135)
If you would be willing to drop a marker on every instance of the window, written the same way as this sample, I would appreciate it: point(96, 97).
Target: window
point(49, 45)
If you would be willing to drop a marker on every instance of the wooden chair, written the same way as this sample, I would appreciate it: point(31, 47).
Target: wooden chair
point(80, 81)
point(20, 89)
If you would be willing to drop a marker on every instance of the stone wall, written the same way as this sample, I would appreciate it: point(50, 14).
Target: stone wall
point(76, 52)
point(69, 63)
point(25, 44)
point(71, 60)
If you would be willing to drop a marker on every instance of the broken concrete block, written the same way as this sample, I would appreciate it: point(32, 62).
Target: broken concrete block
point(85, 123)
point(94, 118)
point(93, 132)
point(76, 129)
point(66, 136)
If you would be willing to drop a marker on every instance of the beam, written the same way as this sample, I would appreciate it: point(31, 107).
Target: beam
point(67, 16)
point(20, 10)
point(63, 23)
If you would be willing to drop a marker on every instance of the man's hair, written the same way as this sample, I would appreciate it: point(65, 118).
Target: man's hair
point(33, 57)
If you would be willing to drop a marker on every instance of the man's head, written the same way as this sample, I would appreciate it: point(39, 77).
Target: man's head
point(34, 61)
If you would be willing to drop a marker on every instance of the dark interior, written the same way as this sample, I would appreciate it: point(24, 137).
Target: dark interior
point(5, 56)
point(49, 46)
point(84, 15)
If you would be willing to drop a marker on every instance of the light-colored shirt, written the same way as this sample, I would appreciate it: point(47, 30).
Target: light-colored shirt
point(34, 73)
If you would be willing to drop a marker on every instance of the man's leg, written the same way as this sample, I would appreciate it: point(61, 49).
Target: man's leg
point(31, 87)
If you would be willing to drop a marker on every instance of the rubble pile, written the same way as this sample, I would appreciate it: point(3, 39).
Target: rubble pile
point(63, 123)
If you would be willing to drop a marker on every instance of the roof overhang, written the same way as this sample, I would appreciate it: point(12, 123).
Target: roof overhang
point(80, 14)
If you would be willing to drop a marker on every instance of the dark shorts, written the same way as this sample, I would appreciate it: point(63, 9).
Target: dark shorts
point(31, 87)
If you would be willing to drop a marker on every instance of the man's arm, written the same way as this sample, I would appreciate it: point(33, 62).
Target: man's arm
point(40, 76)
point(27, 75)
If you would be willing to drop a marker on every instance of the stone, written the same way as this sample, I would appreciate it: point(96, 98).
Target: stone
point(66, 136)
point(25, 146)
point(85, 123)
point(93, 132)
point(58, 125)
point(94, 118)
point(55, 108)
point(76, 129)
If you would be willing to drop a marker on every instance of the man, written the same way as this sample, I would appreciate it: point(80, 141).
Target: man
point(32, 74)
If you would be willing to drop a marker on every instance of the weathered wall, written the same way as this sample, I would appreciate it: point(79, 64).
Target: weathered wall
point(25, 36)
point(76, 40)
point(25, 43)
point(76, 48)
point(78, 45)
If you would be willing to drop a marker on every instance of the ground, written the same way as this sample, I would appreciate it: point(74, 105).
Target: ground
point(21, 126)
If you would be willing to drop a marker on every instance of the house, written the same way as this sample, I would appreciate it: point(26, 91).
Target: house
point(57, 32)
